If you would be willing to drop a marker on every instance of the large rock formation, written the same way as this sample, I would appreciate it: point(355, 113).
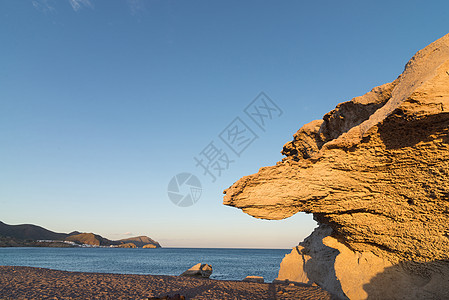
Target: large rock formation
point(374, 173)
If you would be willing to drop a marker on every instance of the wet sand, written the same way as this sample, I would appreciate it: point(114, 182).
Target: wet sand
point(38, 283)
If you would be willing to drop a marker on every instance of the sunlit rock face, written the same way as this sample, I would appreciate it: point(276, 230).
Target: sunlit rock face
point(375, 174)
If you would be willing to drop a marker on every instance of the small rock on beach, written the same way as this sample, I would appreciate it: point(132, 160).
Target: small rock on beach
point(199, 270)
point(258, 279)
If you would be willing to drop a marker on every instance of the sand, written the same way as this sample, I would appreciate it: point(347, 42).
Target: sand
point(38, 283)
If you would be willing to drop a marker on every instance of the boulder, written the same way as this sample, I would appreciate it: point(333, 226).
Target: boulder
point(149, 246)
point(374, 174)
point(258, 279)
point(199, 270)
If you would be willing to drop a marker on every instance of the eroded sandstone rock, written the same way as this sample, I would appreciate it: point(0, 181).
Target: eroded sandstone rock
point(374, 173)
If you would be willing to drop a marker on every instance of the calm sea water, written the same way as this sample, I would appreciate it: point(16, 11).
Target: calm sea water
point(227, 264)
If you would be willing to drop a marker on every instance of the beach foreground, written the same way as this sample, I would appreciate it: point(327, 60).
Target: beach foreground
point(33, 283)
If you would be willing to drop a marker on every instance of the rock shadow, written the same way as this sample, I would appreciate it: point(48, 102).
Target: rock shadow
point(411, 280)
point(318, 261)
point(398, 132)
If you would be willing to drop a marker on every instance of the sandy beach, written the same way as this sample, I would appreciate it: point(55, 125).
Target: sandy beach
point(38, 283)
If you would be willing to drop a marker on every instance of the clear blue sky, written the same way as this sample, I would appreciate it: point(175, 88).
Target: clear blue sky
point(103, 102)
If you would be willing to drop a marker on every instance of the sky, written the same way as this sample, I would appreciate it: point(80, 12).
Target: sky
point(103, 103)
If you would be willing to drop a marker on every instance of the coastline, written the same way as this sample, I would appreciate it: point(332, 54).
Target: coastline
point(228, 264)
point(34, 283)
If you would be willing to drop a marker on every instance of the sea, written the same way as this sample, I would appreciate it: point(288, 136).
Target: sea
point(227, 264)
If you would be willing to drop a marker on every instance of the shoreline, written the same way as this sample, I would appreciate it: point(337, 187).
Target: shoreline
point(160, 261)
point(165, 247)
point(34, 283)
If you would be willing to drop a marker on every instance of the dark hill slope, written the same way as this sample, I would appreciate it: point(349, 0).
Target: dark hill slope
point(30, 232)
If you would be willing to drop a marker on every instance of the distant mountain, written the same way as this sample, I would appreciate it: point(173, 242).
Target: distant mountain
point(30, 232)
point(28, 235)
point(91, 239)
point(141, 241)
